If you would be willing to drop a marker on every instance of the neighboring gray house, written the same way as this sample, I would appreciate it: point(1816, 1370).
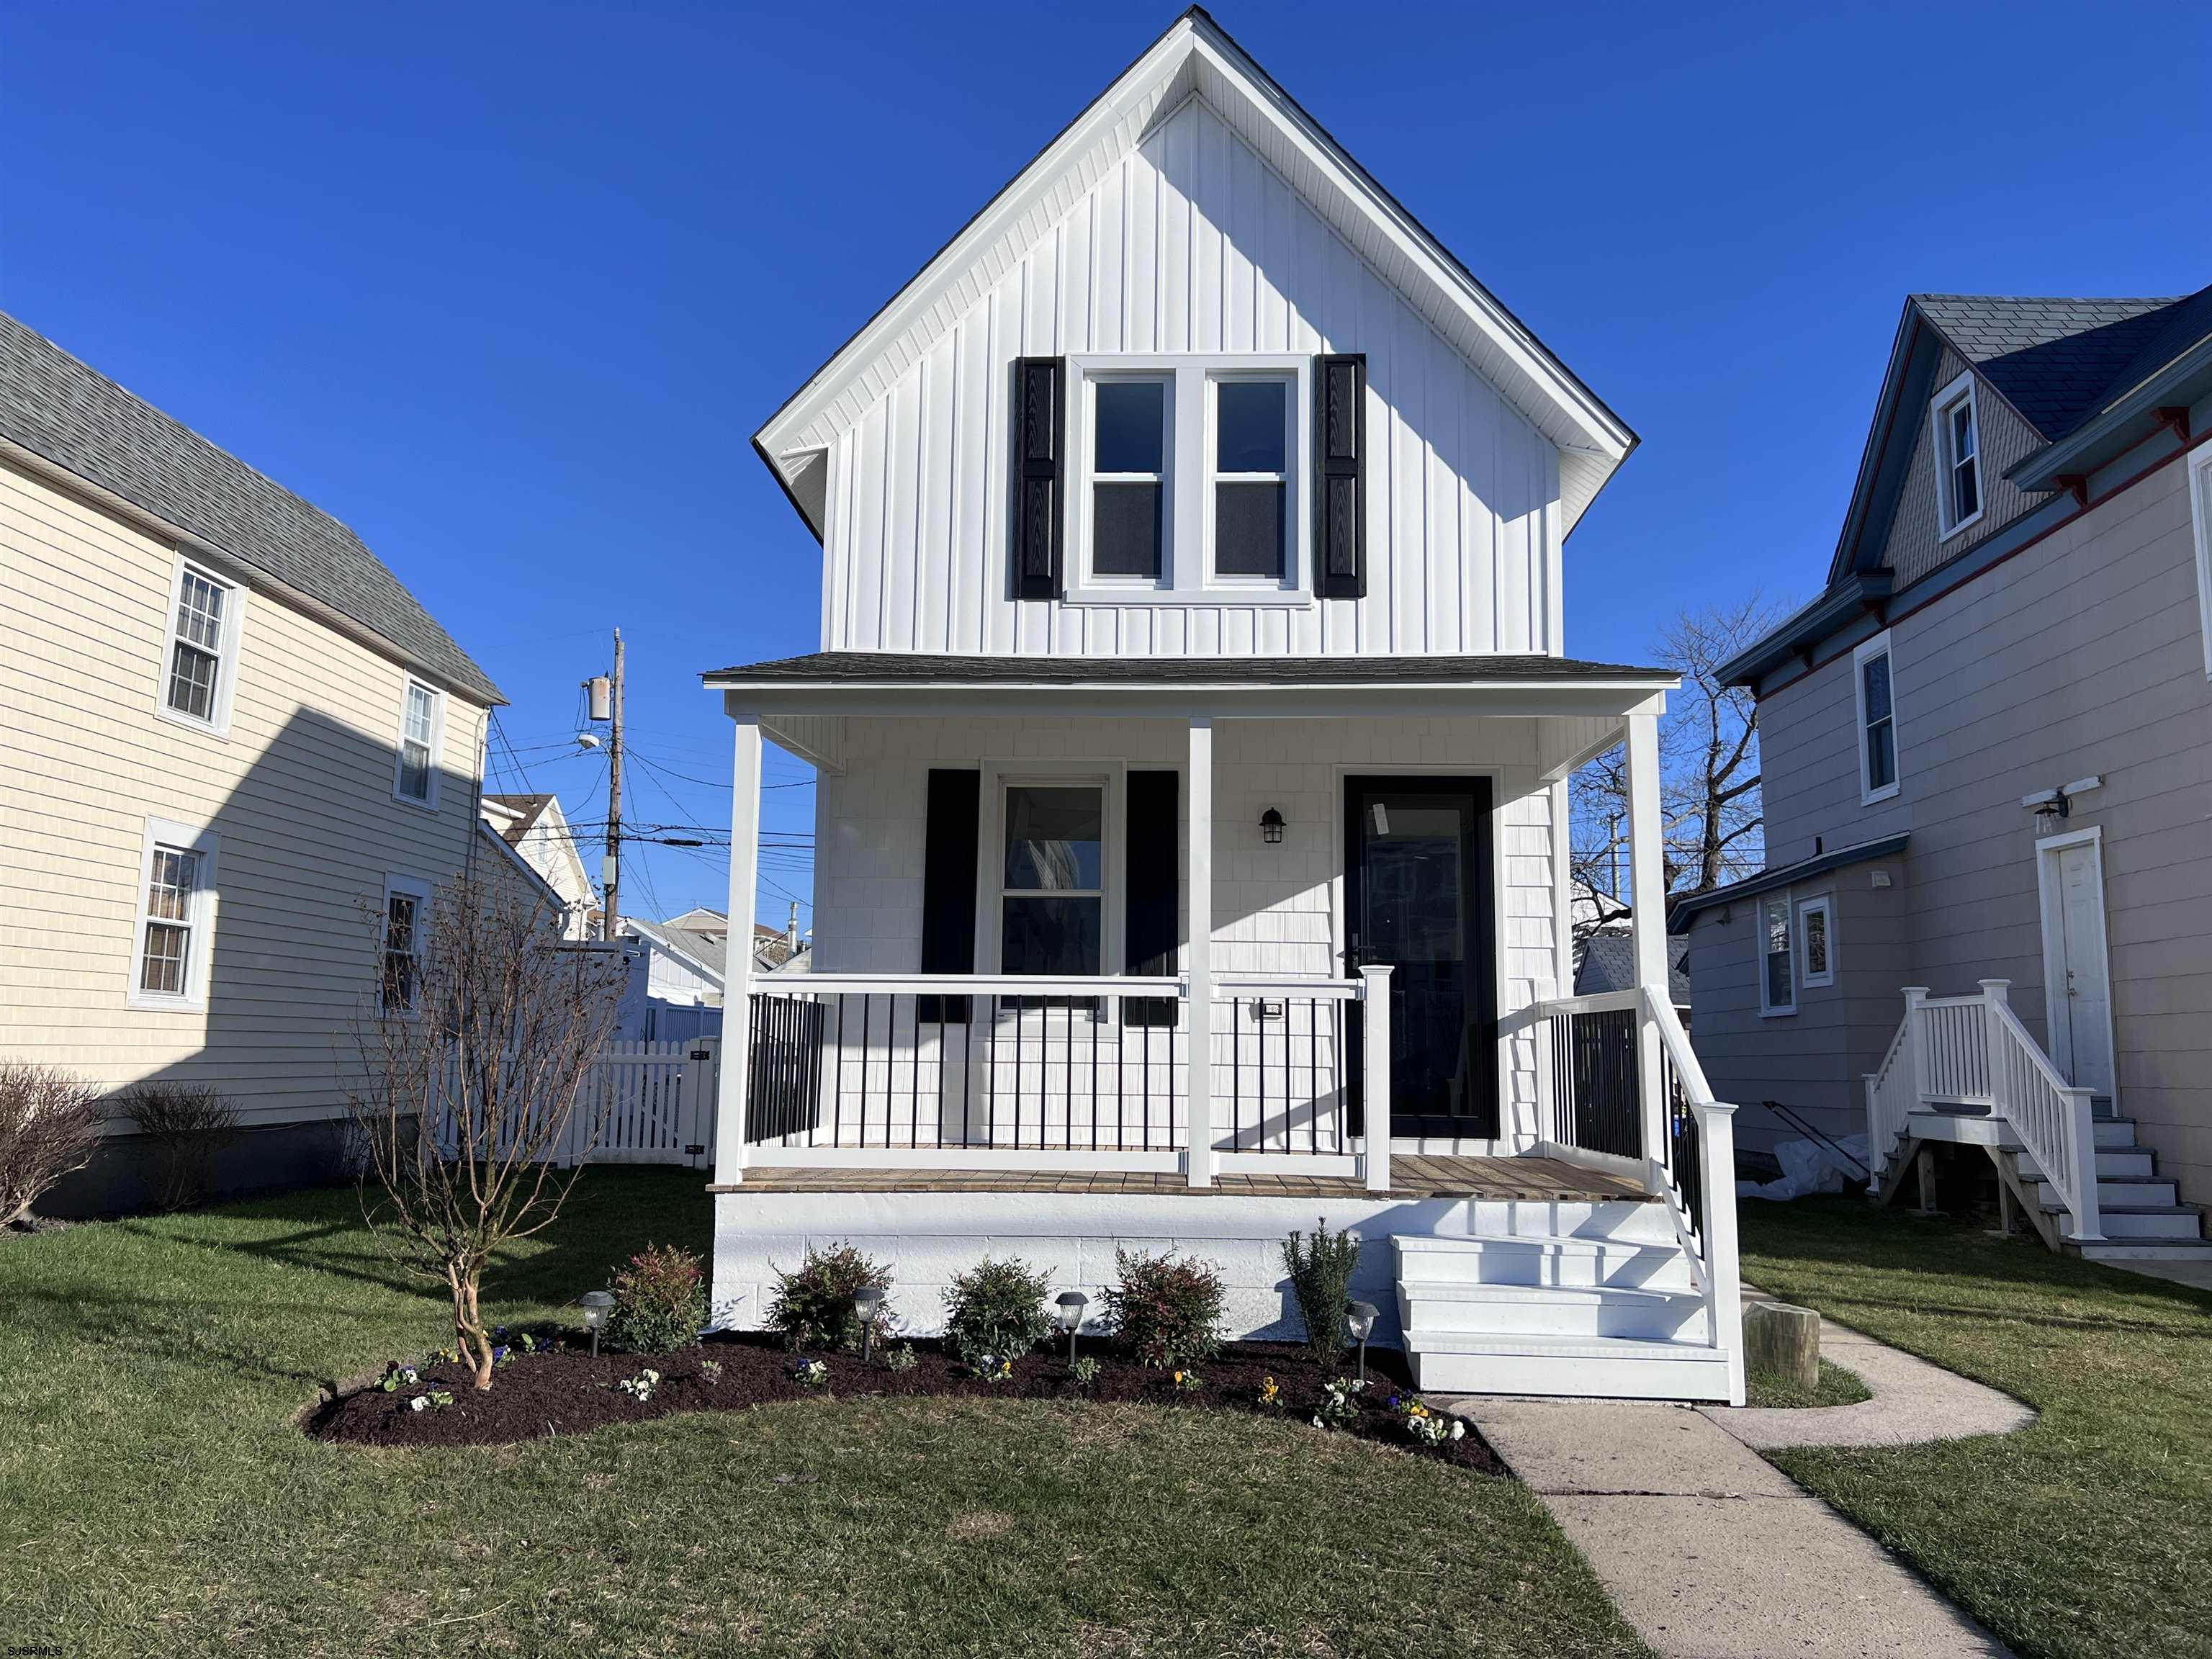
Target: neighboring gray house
point(1606, 962)
point(1988, 757)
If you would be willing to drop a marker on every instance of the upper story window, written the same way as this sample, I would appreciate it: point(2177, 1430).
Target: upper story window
point(415, 773)
point(1189, 469)
point(1877, 713)
point(176, 885)
point(1958, 456)
point(200, 663)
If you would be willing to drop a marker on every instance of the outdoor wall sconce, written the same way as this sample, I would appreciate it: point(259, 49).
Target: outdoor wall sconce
point(1360, 1315)
point(595, 1304)
point(1071, 1305)
point(867, 1302)
point(1271, 827)
point(2051, 812)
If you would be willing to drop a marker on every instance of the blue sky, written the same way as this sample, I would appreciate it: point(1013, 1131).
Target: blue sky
point(508, 288)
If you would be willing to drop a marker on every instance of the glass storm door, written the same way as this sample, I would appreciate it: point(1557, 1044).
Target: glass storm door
point(1417, 898)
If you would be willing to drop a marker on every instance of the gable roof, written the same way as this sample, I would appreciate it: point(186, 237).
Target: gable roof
point(1196, 57)
point(75, 418)
point(2050, 358)
point(518, 814)
point(1606, 962)
point(708, 952)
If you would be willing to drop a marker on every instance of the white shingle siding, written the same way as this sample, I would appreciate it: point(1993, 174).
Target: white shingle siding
point(300, 792)
point(1191, 243)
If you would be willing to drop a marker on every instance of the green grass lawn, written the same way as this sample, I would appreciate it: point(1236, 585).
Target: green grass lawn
point(154, 1498)
point(2090, 1533)
point(1837, 1387)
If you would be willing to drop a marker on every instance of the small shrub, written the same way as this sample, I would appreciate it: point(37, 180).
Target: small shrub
point(1321, 1278)
point(813, 1303)
point(188, 1123)
point(900, 1359)
point(1166, 1309)
point(710, 1371)
point(49, 1125)
point(996, 1308)
point(660, 1302)
point(1084, 1372)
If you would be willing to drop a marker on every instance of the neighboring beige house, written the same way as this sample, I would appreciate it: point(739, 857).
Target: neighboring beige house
point(240, 756)
point(534, 827)
point(1987, 751)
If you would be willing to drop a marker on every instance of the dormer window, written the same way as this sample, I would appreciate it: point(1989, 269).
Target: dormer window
point(1958, 456)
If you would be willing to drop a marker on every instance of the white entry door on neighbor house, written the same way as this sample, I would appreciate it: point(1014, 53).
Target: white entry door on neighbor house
point(2080, 992)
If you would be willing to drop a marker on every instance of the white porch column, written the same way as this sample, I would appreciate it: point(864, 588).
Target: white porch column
point(1648, 891)
point(1198, 888)
point(737, 973)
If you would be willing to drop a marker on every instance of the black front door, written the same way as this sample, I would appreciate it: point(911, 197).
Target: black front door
point(1417, 896)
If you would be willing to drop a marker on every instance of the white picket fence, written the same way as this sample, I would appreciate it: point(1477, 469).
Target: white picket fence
point(654, 1102)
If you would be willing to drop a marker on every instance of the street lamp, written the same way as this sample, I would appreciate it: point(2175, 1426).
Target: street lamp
point(1071, 1304)
point(867, 1302)
point(595, 1304)
point(1360, 1315)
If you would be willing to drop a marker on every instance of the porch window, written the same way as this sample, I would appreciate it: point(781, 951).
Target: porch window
point(1251, 475)
point(203, 648)
point(176, 883)
point(1052, 897)
point(1959, 456)
point(1777, 991)
point(1128, 477)
point(1877, 721)
point(415, 776)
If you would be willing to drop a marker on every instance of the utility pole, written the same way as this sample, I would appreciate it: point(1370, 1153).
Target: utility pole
point(610, 870)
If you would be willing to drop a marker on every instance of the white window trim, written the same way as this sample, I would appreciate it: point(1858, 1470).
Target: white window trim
point(233, 633)
point(425, 803)
point(1111, 776)
point(2200, 512)
point(420, 891)
point(1960, 390)
point(1877, 647)
point(1807, 979)
point(1769, 1010)
point(204, 844)
point(1187, 519)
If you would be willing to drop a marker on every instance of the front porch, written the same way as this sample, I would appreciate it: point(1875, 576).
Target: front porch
point(1194, 951)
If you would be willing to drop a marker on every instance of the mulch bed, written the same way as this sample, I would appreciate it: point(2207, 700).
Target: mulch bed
point(534, 1396)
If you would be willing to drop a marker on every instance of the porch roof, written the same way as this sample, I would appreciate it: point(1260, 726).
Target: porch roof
point(857, 670)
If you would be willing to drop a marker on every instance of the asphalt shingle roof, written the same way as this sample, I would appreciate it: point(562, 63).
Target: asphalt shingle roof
point(78, 419)
point(2055, 360)
point(1606, 962)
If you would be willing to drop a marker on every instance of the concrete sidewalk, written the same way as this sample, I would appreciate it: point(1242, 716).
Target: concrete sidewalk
point(1707, 1549)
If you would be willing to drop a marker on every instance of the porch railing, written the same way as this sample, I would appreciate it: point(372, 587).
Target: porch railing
point(1973, 1051)
point(1075, 1074)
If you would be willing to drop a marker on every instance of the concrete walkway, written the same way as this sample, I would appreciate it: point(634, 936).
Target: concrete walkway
point(1709, 1551)
point(1910, 1401)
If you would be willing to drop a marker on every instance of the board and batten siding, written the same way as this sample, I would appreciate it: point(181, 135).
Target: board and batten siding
point(1192, 244)
point(299, 792)
point(2079, 656)
point(1916, 544)
point(1273, 906)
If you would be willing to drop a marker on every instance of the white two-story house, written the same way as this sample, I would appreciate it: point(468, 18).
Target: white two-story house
point(1193, 721)
point(240, 758)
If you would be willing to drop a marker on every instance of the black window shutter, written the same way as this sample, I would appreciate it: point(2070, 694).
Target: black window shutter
point(1149, 929)
point(1040, 443)
point(948, 885)
point(1339, 477)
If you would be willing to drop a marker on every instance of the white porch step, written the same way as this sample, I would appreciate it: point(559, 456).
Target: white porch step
point(2125, 1164)
point(2147, 1249)
point(2169, 1223)
point(2118, 1195)
point(1442, 1308)
point(2115, 1132)
point(1536, 1260)
point(1610, 1368)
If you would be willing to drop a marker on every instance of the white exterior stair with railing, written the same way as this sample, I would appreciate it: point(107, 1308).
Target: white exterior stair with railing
point(1620, 1299)
point(1964, 1070)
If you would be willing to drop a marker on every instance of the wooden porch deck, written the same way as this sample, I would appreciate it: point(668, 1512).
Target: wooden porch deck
point(1412, 1175)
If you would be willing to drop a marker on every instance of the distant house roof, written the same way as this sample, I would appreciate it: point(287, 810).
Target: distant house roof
point(1606, 962)
point(701, 919)
point(76, 419)
point(1679, 912)
point(2052, 359)
point(703, 950)
point(537, 883)
point(518, 815)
